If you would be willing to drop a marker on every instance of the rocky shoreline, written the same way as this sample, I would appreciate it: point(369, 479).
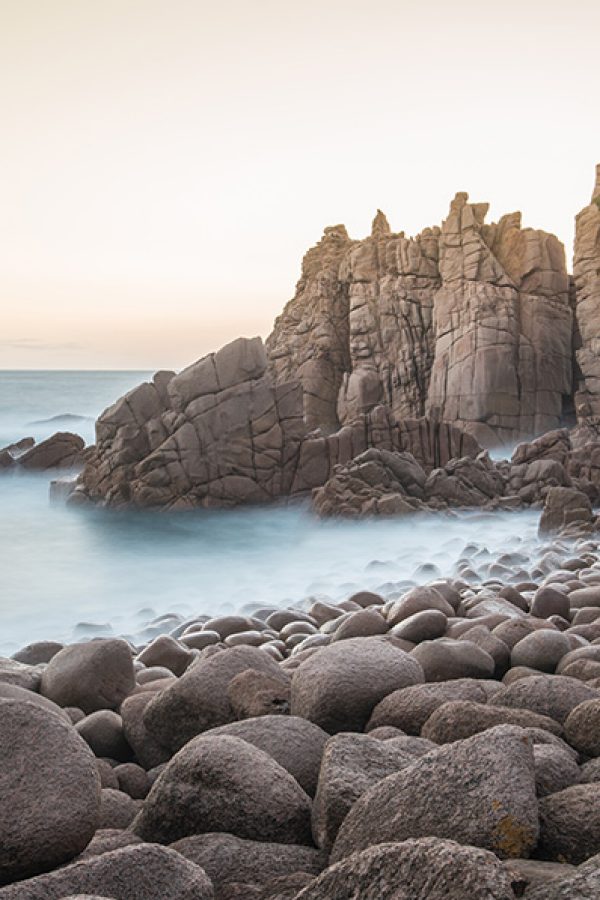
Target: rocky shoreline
point(438, 742)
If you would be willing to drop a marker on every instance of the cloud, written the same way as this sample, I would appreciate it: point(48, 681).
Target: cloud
point(36, 345)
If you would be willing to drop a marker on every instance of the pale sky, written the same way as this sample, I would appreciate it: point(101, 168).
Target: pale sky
point(164, 164)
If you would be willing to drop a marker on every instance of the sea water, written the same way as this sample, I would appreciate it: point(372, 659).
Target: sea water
point(68, 573)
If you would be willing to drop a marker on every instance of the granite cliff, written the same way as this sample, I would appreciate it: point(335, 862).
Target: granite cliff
point(469, 335)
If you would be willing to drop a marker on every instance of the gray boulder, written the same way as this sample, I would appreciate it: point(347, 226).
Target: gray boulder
point(445, 659)
point(570, 824)
point(141, 872)
point(549, 695)
point(410, 708)
point(198, 700)
point(50, 790)
point(224, 784)
point(480, 791)
point(96, 675)
point(459, 719)
point(338, 687)
point(422, 869)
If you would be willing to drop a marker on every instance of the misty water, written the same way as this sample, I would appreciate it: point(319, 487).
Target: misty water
point(114, 570)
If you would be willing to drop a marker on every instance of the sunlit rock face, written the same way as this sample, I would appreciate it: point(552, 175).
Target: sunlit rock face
point(470, 323)
point(223, 432)
point(586, 271)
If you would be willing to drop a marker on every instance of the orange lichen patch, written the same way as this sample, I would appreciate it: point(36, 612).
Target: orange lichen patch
point(512, 838)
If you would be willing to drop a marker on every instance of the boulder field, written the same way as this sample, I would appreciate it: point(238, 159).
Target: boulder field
point(441, 741)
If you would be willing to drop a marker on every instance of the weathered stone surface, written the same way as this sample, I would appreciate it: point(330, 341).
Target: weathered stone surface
point(586, 265)
point(481, 791)
point(50, 790)
point(225, 784)
point(95, 675)
point(338, 687)
point(570, 824)
point(541, 650)
point(459, 719)
point(198, 700)
point(226, 858)
point(253, 693)
point(443, 660)
point(549, 695)
point(103, 732)
point(582, 728)
point(352, 763)
point(296, 744)
point(141, 872)
point(409, 708)
point(148, 752)
point(555, 770)
point(583, 884)
point(107, 839)
point(422, 869)
point(562, 507)
point(61, 451)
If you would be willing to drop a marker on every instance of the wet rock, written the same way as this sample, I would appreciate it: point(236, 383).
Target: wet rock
point(131, 873)
point(481, 790)
point(224, 784)
point(422, 869)
point(50, 791)
point(226, 858)
point(198, 700)
point(95, 675)
point(61, 451)
point(339, 686)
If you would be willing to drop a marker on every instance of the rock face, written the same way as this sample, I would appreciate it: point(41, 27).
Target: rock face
point(460, 338)
point(586, 271)
point(470, 323)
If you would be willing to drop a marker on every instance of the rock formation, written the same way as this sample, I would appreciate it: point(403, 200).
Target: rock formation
point(433, 346)
point(586, 271)
point(469, 324)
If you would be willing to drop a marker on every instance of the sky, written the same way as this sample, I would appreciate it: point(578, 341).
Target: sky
point(164, 164)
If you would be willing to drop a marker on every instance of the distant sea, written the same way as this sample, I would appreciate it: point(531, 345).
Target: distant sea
point(69, 573)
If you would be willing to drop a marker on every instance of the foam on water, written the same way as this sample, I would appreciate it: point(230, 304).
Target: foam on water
point(60, 566)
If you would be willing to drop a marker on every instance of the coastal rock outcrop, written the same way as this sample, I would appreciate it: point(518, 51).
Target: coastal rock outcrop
point(586, 272)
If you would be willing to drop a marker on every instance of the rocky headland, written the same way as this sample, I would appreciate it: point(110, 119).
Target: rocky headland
point(437, 738)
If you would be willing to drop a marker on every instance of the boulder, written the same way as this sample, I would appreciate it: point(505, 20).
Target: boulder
point(422, 869)
point(224, 784)
point(50, 790)
point(61, 451)
point(132, 780)
point(226, 858)
point(444, 660)
point(131, 873)
point(541, 650)
point(562, 507)
point(582, 728)
point(570, 824)
point(352, 763)
point(480, 790)
point(409, 708)
point(108, 839)
point(103, 731)
point(38, 652)
point(555, 770)
point(165, 651)
point(296, 744)
point(148, 752)
point(459, 719)
point(253, 693)
point(14, 692)
point(117, 809)
point(549, 695)
point(338, 687)
point(96, 675)
point(198, 700)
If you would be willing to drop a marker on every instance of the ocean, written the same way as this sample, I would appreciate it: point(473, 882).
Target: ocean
point(68, 574)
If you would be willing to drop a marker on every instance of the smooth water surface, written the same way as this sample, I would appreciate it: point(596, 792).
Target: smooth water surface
point(61, 566)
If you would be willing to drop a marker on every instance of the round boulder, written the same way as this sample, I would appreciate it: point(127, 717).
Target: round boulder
point(96, 675)
point(50, 790)
point(444, 660)
point(338, 687)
